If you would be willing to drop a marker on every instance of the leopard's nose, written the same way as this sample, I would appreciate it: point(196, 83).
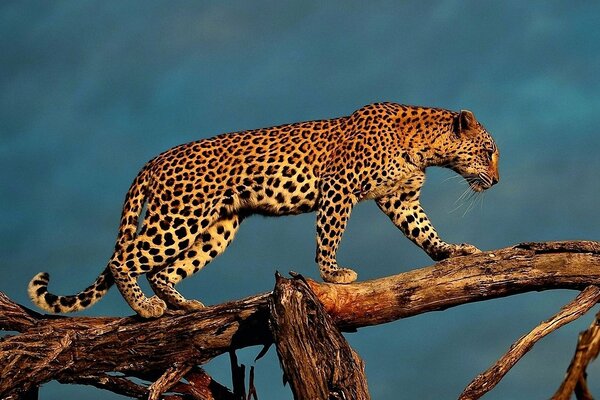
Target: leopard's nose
point(495, 180)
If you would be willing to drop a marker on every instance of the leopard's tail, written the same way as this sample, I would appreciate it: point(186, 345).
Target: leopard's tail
point(38, 286)
point(38, 292)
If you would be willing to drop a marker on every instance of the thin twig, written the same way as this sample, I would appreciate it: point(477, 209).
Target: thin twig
point(582, 392)
point(115, 384)
point(570, 312)
point(238, 376)
point(588, 346)
point(167, 380)
point(251, 388)
point(202, 386)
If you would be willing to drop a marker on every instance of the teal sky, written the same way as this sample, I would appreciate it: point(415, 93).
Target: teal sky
point(90, 90)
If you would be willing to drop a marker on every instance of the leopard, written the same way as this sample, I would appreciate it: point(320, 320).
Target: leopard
point(193, 197)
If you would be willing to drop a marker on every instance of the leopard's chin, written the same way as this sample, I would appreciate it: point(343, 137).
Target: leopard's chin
point(477, 184)
point(477, 188)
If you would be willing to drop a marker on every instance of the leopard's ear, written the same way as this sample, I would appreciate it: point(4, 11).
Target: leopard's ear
point(464, 121)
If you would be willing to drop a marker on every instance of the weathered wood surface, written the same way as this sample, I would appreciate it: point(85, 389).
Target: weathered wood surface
point(317, 361)
point(83, 350)
point(68, 349)
point(523, 268)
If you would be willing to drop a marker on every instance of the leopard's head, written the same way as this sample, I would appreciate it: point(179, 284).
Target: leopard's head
point(475, 155)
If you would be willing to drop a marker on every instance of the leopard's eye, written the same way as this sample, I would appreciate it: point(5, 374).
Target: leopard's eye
point(490, 154)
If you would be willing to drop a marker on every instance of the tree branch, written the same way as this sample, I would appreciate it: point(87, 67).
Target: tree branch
point(63, 348)
point(115, 384)
point(201, 386)
point(523, 268)
point(170, 377)
point(316, 360)
point(588, 347)
point(570, 312)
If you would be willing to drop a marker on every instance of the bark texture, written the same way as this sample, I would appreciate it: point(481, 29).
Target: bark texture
point(523, 268)
point(87, 350)
point(316, 360)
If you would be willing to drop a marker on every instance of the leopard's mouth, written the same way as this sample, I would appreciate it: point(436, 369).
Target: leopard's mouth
point(479, 182)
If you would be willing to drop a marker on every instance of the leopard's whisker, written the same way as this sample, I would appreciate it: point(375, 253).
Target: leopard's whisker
point(462, 199)
point(464, 193)
point(453, 177)
point(482, 197)
point(472, 199)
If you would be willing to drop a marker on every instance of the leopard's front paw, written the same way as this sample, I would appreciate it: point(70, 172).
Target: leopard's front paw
point(455, 250)
point(192, 305)
point(339, 275)
point(463, 249)
point(152, 308)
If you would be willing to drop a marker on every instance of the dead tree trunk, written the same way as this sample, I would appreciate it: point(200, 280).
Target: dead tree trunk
point(315, 358)
point(164, 350)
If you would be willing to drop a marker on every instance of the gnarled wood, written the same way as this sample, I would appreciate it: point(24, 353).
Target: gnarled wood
point(588, 347)
point(64, 348)
point(316, 360)
point(69, 348)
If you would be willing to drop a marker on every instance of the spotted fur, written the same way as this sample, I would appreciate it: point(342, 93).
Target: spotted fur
point(197, 194)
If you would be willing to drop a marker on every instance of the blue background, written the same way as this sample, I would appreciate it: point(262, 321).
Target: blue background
point(90, 90)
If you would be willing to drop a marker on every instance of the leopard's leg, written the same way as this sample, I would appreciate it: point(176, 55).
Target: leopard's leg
point(153, 247)
point(332, 216)
point(406, 213)
point(208, 245)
